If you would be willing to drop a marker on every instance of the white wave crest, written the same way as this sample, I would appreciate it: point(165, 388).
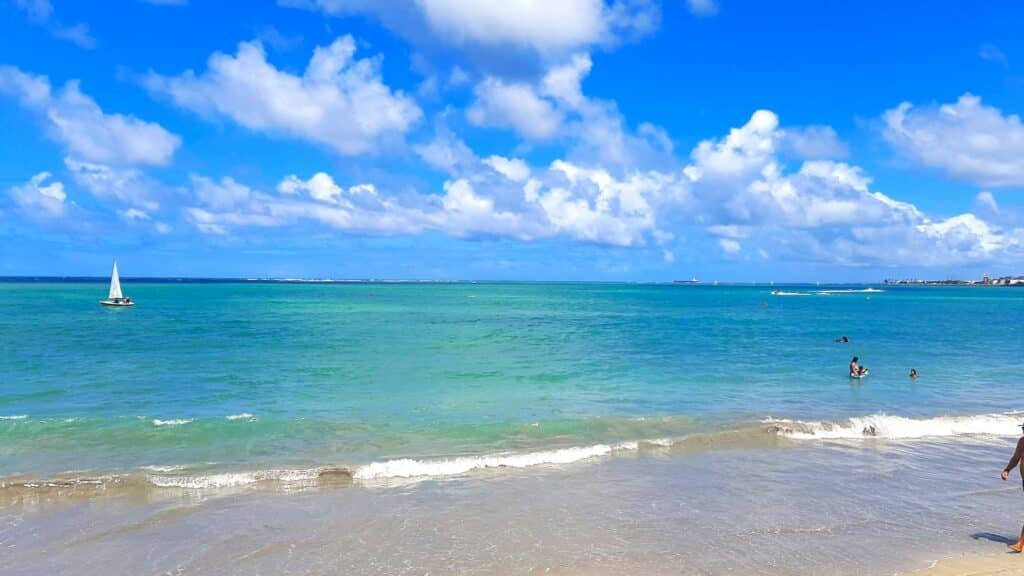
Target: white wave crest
point(15, 417)
point(242, 416)
point(232, 479)
point(409, 468)
point(899, 427)
point(178, 422)
point(163, 469)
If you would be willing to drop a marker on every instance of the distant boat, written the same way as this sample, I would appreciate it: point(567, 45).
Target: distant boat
point(115, 298)
point(690, 281)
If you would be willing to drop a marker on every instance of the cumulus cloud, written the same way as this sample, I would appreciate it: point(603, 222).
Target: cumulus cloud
point(530, 24)
point(564, 200)
point(40, 197)
point(339, 101)
point(735, 188)
point(121, 186)
point(729, 246)
point(517, 106)
point(512, 168)
point(966, 139)
point(83, 128)
point(824, 210)
point(554, 107)
point(535, 111)
point(813, 143)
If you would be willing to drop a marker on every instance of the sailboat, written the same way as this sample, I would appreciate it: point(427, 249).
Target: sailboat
point(115, 298)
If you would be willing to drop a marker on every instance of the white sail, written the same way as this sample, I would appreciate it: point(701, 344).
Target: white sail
point(115, 284)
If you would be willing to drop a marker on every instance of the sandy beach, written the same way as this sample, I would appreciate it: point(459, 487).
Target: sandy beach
point(1005, 565)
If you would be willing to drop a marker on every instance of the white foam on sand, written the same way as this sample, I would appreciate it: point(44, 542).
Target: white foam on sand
point(410, 468)
point(899, 427)
point(233, 479)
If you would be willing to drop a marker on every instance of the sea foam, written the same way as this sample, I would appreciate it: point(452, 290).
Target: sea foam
point(234, 479)
point(899, 427)
point(177, 422)
point(410, 468)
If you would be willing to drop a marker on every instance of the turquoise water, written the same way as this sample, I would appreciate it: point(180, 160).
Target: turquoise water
point(347, 374)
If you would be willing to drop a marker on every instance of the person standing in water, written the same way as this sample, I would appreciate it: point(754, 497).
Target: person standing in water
point(856, 370)
point(1014, 462)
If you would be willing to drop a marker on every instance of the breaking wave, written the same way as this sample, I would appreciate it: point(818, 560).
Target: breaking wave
point(300, 476)
point(242, 416)
point(177, 422)
point(409, 468)
point(768, 433)
point(899, 427)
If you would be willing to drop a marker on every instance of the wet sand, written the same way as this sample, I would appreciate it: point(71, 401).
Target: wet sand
point(821, 508)
point(1005, 565)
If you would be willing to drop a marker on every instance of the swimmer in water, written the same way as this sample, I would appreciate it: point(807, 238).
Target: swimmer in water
point(843, 340)
point(856, 370)
point(913, 374)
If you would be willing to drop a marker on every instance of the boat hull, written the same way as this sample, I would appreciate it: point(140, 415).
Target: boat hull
point(118, 304)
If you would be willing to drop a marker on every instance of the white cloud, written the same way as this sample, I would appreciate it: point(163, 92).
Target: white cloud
point(534, 23)
point(537, 25)
point(729, 246)
point(339, 101)
point(735, 188)
point(517, 106)
point(825, 210)
point(702, 7)
point(563, 83)
point(512, 168)
point(813, 143)
point(133, 214)
point(987, 201)
point(967, 139)
point(446, 152)
point(222, 195)
point(41, 12)
point(969, 234)
point(123, 186)
point(992, 53)
point(554, 106)
point(746, 149)
point(39, 199)
point(86, 131)
point(77, 34)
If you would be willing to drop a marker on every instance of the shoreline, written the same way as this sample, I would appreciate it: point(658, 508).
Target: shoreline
point(837, 508)
point(768, 433)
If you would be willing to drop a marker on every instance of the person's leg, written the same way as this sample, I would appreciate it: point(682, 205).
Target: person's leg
point(1019, 546)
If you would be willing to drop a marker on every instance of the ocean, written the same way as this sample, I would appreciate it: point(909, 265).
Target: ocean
point(645, 413)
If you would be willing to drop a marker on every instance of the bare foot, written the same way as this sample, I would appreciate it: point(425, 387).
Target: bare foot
point(1016, 548)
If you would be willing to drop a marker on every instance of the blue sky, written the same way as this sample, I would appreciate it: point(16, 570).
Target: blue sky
point(579, 139)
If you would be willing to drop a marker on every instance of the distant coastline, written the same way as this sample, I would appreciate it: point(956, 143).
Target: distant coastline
point(984, 281)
